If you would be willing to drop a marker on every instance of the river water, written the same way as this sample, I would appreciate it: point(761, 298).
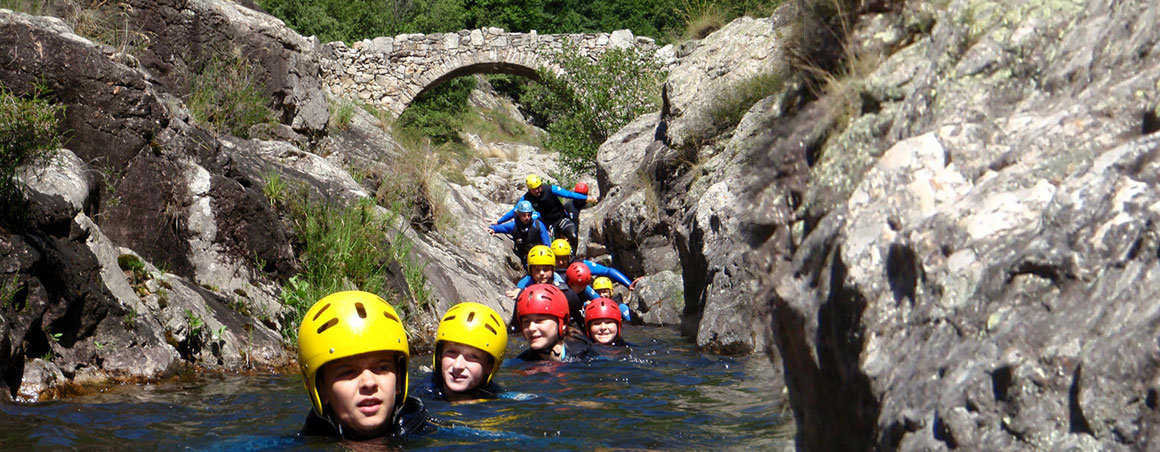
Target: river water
point(660, 396)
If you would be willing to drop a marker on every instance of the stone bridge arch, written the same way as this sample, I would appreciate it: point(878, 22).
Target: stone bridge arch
point(390, 73)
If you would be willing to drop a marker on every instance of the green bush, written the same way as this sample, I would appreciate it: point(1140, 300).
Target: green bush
point(28, 135)
point(227, 96)
point(344, 247)
point(589, 101)
point(439, 113)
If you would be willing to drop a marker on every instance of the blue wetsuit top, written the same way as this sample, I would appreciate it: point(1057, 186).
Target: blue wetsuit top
point(509, 228)
point(556, 190)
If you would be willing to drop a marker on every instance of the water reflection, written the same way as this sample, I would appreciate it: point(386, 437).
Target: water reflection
point(659, 396)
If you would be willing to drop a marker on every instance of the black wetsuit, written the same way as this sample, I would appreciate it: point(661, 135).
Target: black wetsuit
point(525, 236)
point(577, 347)
point(410, 420)
point(434, 389)
point(552, 213)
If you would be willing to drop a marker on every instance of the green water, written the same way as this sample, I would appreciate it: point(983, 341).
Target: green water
point(659, 396)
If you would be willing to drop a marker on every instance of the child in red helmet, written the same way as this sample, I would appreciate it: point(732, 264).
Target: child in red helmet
point(602, 320)
point(543, 317)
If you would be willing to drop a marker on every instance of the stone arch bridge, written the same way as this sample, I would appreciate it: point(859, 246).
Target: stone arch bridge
point(390, 72)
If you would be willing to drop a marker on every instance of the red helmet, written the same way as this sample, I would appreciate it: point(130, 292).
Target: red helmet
point(544, 299)
point(581, 188)
point(579, 274)
point(599, 309)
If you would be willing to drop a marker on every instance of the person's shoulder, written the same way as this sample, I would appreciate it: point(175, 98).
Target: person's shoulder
point(315, 425)
point(413, 418)
point(528, 355)
point(579, 348)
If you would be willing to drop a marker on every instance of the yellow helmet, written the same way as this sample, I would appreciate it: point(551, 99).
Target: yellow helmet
point(602, 283)
point(345, 324)
point(476, 325)
point(533, 181)
point(541, 255)
point(562, 248)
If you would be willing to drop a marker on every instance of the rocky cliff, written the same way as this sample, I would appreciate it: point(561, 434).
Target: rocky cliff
point(945, 220)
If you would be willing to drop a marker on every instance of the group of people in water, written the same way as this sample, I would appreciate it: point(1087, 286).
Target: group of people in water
point(353, 350)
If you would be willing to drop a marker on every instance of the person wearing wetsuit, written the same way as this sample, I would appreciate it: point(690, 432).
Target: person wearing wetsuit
point(572, 207)
point(525, 229)
point(469, 346)
point(603, 288)
point(544, 324)
point(541, 270)
point(547, 203)
point(353, 353)
point(602, 319)
point(564, 260)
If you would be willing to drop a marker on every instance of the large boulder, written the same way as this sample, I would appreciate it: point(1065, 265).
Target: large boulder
point(184, 35)
point(741, 50)
point(989, 282)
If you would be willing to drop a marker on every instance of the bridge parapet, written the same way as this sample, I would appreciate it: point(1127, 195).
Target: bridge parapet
point(389, 72)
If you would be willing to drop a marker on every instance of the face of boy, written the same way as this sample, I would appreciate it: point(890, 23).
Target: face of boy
point(524, 217)
point(606, 293)
point(541, 330)
point(603, 331)
point(463, 367)
point(562, 262)
point(541, 274)
point(360, 390)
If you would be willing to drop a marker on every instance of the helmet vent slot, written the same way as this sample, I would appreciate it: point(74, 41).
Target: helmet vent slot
point(471, 317)
point(327, 325)
point(449, 317)
point(320, 311)
point(362, 312)
point(390, 316)
point(494, 319)
point(489, 328)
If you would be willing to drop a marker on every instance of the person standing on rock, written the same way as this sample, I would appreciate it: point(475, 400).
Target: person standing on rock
point(353, 353)
point(573, 206)
point(526, 231)
point(546, 201)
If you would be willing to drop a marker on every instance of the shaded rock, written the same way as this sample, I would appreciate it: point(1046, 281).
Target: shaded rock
point(659, 298)
point(112, 109)
point(187, 34)
point(988, 281)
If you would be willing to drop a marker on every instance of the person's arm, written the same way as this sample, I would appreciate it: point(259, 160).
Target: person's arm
point(507, 227)
point(556, 190)
point(611, 273)
point(511, 214)
point(544, 237)
point(524, 282)
point(590, 294)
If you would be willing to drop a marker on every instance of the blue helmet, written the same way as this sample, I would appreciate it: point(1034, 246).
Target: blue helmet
point(524, 207)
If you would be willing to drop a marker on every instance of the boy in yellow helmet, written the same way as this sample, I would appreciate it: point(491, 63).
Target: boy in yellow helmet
point(541, 270)
point(469, 347)
point(353, 352)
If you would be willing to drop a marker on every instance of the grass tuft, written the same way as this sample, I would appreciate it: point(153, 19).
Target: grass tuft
point(28, 136)
point(227, 96)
